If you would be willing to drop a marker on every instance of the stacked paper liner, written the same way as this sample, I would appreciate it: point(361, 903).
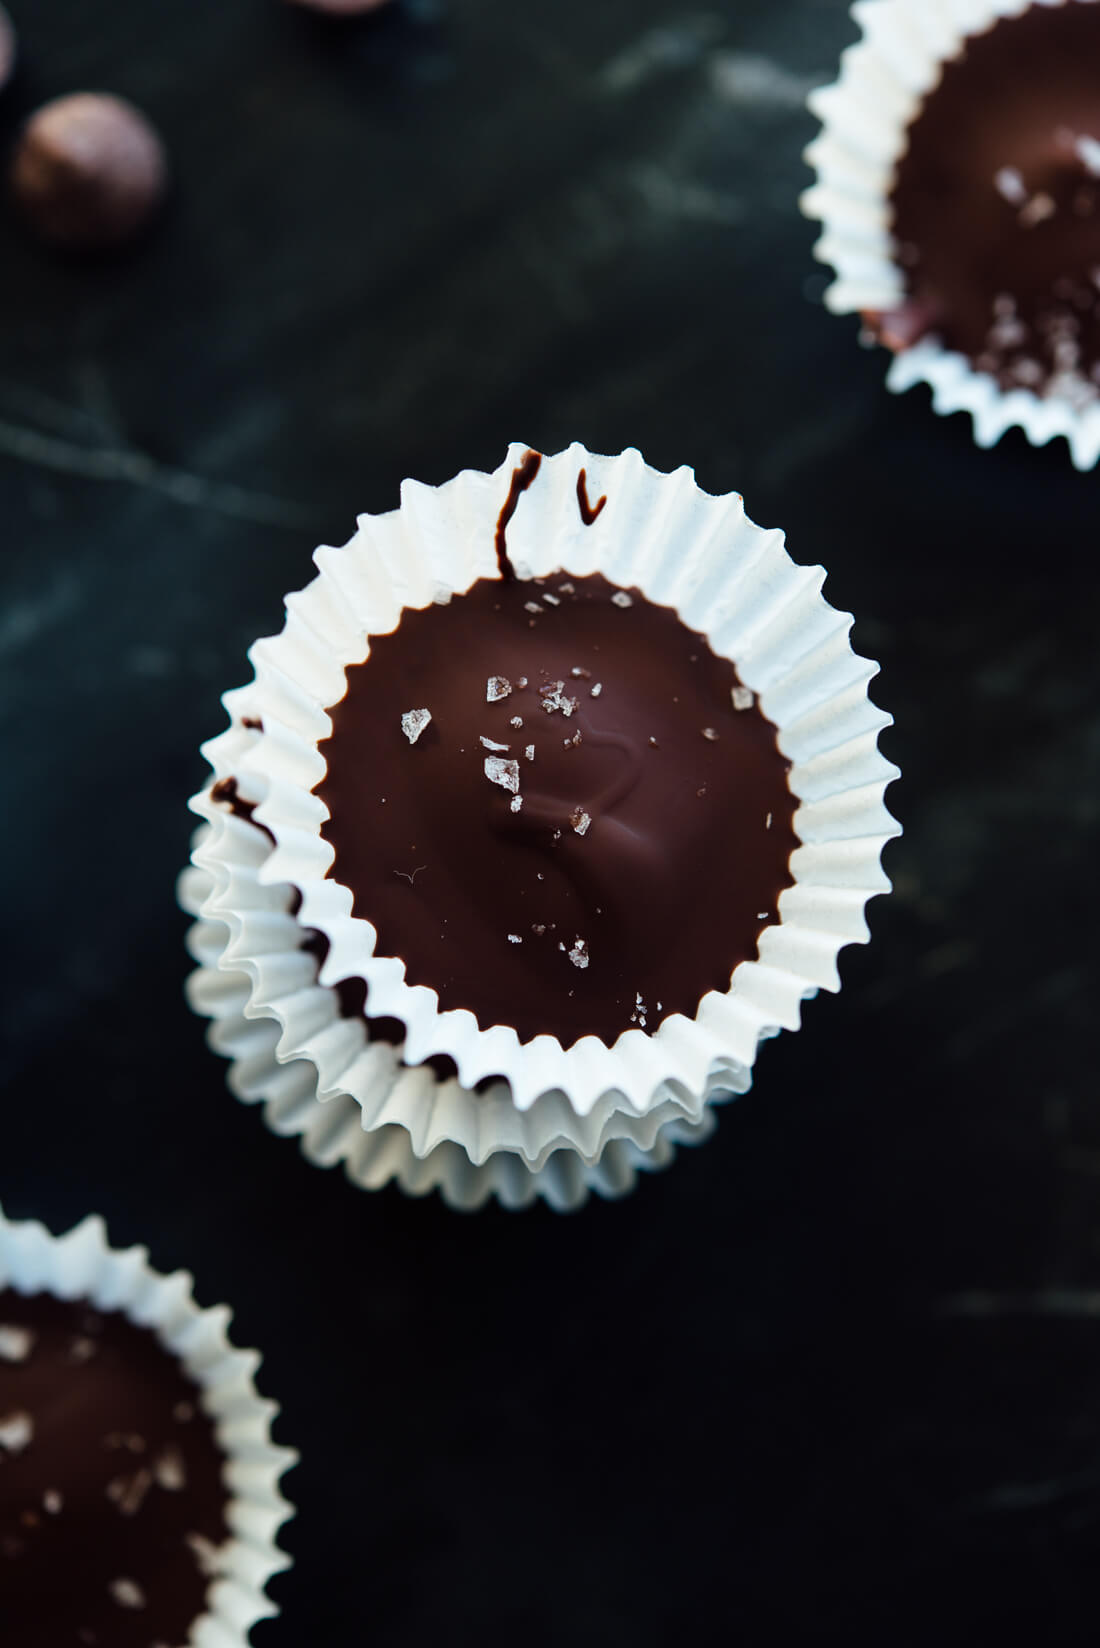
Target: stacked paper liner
point(865, 118)
point(332, 1131)
point(725, 577)
point(81, 1265)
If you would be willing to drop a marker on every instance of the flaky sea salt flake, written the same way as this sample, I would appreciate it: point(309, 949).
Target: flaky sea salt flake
point(552, 599)
point(498, 687)
point(516, 803)
point(127, 1593)
point(1010, 185)
point(1088, 153)
point(531, 606)
point(710, 735)
point(490, 745)
point(207, 1554)
point(52, 1502)
point(169, 1469)
point(578, 955)
point(16, 1431)
point(15, 1342)
point(580, 820)
point(514, 938)
point(413, 723)
point(742, 698)
point(597, 689)
point(516, 721)
point(504, 773)
point(529, 752)
point(1037, 210)
point(621, 599)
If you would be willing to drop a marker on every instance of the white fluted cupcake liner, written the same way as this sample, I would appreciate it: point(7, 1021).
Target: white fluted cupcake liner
point(82, 1265)
point(727, 578)
point(865, 118)
point(331, 1131)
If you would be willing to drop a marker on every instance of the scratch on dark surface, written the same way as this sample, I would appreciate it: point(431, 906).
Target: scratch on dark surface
point(668, 47)
point(24, 621)
point(31, 446)
point(1067, 1304)
point(752, 81)
point(668, 195)
point(1029, 1496)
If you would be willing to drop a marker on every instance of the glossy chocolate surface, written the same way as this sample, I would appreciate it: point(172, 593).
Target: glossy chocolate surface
point(586, 836)
point(112, 1506)
point(997, 206)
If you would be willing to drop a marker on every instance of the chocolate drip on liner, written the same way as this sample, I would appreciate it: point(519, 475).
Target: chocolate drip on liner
point(588, 511)
point(522, 476)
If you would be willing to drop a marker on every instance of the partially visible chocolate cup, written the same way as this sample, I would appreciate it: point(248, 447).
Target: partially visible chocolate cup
point(139, 1486)
point(89, 172)
point(958, 187)
point(555, 1070)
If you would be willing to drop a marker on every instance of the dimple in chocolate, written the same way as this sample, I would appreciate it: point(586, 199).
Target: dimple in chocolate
point(996, 206)
point(598, 832)
point(112, 1505)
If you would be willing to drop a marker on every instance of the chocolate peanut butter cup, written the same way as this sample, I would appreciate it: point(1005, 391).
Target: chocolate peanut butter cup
point(959, 188)
point(123, 1415)
point(541, 758)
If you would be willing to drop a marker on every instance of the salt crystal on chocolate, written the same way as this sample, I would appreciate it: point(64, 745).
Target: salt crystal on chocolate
point(15, 1342)
point(504, 773)
point(1010, 185)
point(413, 723)
point(128, 1593)
point(16, 1431)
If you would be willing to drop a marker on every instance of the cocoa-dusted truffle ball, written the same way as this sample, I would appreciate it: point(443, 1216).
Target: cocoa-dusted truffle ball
point(89, 171)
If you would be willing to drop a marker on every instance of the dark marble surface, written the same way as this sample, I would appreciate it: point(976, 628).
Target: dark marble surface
point(840, 1369)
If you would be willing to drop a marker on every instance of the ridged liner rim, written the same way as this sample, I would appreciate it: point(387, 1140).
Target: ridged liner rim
point(82, 1265)
point(730, 579)
point(865, 117)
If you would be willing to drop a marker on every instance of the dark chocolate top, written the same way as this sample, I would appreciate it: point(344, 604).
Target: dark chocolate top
point(112, 1505)
point(996, 205)
point(586, 836)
